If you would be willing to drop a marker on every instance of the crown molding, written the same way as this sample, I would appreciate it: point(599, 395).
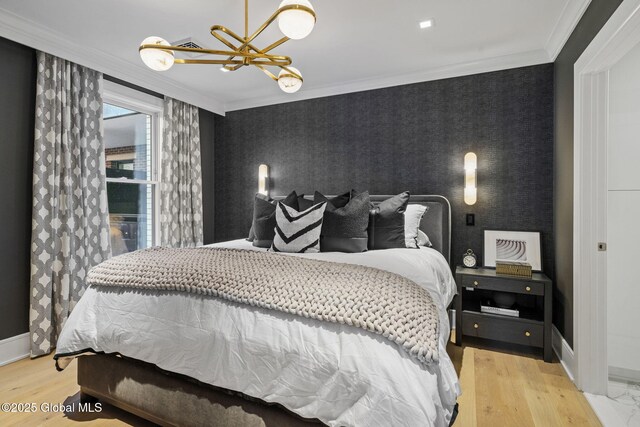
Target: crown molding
point(28, 33)
point(567, 21)
point(457, 70)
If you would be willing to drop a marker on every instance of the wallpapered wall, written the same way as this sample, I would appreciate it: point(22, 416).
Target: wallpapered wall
point(17, 109)
point(411, 137)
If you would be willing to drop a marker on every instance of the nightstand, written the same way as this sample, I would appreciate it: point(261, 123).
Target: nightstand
point(531, 297)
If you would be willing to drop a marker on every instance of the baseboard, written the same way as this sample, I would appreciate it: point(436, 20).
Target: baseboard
point(14, 348)
point(624, 375)
point(563, 351)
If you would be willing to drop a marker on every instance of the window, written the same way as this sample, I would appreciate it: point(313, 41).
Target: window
point(131, 135)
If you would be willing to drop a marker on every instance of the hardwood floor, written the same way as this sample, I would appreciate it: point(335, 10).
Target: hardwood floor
point(510, 389)
point(37, 381)
point(499, 389)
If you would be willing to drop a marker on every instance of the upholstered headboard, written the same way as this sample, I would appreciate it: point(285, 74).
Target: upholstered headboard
point(436, 223)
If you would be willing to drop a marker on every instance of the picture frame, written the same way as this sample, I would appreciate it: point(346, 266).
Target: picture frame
point(513, 246)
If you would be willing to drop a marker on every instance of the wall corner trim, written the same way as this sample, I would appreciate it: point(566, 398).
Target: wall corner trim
point(14, 348)
point(563, 351)
point(567, 22)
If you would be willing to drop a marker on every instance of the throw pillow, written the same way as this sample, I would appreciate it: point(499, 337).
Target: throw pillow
point(386, 223)
point(345, 223)
point(298, 232)
point(412, 217)
point(264, 219)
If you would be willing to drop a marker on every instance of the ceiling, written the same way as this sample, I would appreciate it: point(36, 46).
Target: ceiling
point(356, 44)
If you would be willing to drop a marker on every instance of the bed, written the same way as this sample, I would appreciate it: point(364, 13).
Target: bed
point(177, 359)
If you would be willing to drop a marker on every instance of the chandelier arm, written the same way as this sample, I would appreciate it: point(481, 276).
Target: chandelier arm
point(275, 63)
point(272, 45)
point(269, 62)
point(215, 52)
point(227, 31)
point(245, 41)
point(216, 28)
point(214, 33)
point(208, 61)
point(228, 62)
point(267, 72)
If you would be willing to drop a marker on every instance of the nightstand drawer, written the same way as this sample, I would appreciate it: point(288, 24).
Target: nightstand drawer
point(506, 284)
point(500, 328)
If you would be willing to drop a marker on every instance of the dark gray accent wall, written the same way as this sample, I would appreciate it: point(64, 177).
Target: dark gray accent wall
point(207, 138)
point(411, 137)
point(17, 113)
point(594, 18)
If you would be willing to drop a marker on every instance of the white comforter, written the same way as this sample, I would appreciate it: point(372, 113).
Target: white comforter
point(336, 373)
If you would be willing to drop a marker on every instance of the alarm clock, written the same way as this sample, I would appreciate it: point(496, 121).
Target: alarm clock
point(469, 259)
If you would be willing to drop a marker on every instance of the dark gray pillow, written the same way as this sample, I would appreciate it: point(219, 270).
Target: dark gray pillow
point(339, 201)
point(252, 234)
point(304, 204)
point(345, 222)
point(264, 219)
point(386, 223)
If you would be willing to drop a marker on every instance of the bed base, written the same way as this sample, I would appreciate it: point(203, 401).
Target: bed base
point(169, 399)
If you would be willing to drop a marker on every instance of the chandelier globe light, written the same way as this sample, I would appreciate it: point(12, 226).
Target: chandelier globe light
point(296, 23)
point(290, 81)
point(296, 19)
point(157, 59)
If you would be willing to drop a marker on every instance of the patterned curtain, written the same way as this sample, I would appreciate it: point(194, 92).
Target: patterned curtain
point(70, 227)
point(181, 192)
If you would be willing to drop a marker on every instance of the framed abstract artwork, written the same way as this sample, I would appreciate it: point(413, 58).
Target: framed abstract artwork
point(512, 246)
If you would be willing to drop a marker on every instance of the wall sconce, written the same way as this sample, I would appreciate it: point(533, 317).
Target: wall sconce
point(470, 167)
point(263, 180)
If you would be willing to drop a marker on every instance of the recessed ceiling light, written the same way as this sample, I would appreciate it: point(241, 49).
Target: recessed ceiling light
point(224, 69)
point(426, 24)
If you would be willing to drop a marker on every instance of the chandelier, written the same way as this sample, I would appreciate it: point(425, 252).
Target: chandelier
point(296, 19)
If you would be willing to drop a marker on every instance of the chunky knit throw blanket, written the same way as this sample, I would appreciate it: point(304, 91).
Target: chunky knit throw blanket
point(374, 300)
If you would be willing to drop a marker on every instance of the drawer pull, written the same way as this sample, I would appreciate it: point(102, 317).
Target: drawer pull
point(475, 325)
point(475, 283)
point(528, 288)
point(527, 334)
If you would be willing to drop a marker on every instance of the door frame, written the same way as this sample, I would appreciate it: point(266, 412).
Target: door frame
point(591, 98)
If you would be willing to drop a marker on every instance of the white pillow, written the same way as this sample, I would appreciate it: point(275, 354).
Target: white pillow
point(423, 239)
point(298, 231)
point(412, 217)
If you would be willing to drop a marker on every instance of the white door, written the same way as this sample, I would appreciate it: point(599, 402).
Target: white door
point(623, 232)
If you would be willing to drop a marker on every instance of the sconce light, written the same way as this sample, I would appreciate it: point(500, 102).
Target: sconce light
point(470, 167)
point(263, 180)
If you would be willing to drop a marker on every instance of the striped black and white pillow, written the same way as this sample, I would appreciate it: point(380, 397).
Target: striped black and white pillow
point(298, 231)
